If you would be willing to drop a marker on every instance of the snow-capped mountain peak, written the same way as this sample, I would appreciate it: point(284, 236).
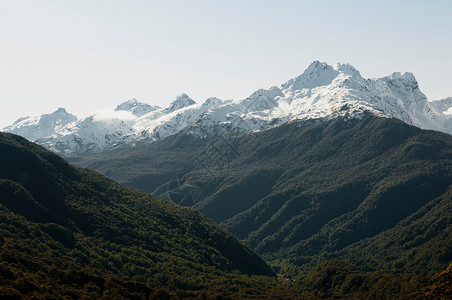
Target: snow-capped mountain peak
point(316, 75)
point(403, 80)
point(135, 107)
point(212, 103)
point(34, 128)
point(181, 101)
point(100, 130)
point(348, 70)
point(60, 111)
point(321, 92)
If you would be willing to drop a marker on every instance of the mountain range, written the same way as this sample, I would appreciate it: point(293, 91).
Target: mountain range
point(343, 184)
point(320, 93)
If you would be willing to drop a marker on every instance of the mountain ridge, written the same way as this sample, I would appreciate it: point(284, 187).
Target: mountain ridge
point(321, 92)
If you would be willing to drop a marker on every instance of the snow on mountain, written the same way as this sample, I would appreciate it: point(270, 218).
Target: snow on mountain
point(33, 128)
point(321, 92)
point(101, 130)
point(136, 108)
point(443, 106)
point(181, 101)
point(110, 129)
point(443, 113)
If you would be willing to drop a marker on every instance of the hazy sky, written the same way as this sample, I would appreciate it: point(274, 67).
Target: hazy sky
point(87, 55)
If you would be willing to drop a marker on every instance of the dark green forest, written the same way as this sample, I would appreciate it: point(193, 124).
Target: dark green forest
point(69, 232)
point(375, 192)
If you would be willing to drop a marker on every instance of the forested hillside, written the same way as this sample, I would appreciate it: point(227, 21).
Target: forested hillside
point(68, 232)
point(374, 191)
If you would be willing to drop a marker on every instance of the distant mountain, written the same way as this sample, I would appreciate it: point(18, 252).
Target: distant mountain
point(105, 129)
point(321, 93)
point(135, 107)
point(98, 131)
point(181, 101)
point(69, 231)
point(374, 191)
point(42, 126)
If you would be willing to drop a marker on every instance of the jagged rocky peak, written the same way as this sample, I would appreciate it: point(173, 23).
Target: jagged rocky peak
point(212, 102)
point(348, 69)
point(60, 110)
point(316, 75)
point(406, 79)
point(62, 117)
point(404, 76)
point(405, 87)
point(136, 107)
point(127, 104)
point(320, 74)
point(181, 101)
point(317, 66)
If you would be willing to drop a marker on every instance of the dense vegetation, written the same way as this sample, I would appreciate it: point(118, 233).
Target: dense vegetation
point(69, 232)
point(375, 192)
point(440, 286)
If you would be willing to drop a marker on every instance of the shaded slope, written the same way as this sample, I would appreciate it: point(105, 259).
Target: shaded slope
point(419, 242)
point(300, 191)
point(76, 218)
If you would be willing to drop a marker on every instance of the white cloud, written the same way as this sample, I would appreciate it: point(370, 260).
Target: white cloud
point(105, 115)
point(448, 112)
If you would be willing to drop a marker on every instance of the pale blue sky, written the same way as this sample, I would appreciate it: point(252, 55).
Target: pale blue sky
point(87, 55)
